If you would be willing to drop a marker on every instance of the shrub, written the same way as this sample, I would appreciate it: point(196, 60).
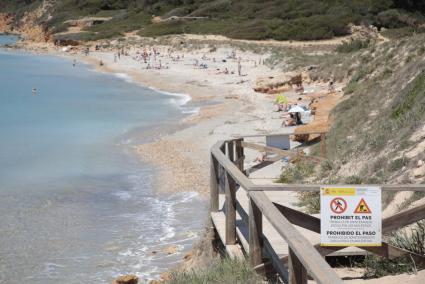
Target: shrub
point(353, 180)
point(223, 271)
point(412, 239)
point(297, 173)
point(354, 45)
point(397, 164)
point(310, 201)
point(378, 267)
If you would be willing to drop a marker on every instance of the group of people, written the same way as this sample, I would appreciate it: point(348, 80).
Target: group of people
point(152, 57)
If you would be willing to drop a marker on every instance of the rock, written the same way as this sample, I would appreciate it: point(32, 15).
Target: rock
point(126, 279)
point(419, 172)
point(171, 250)
point(420, 163)
point(188, 256)
point(278, 84)
point(166, 276)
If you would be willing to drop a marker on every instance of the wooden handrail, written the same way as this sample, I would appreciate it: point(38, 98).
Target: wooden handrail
point(300, 246)
point(231, 168)
point(302, 258)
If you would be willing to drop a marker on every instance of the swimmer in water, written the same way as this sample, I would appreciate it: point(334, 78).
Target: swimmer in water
point(74, 62)
point(34, 91)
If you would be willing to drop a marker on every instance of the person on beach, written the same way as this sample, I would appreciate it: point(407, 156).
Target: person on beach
point(74, 62)
point(281, 102)
point(115, 58)
point(101, 63)
point(331, 87)
point(239, 67)
point(290, 121)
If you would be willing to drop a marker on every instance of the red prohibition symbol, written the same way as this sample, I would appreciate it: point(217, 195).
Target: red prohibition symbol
point(338, 205)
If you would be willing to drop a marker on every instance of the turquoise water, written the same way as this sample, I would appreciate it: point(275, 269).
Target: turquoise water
point(8, 39)
point(76, 206)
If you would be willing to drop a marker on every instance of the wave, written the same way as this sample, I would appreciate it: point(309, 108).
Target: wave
point(124, 77)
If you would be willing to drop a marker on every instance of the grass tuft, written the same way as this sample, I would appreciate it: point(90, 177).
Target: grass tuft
point(226, 271)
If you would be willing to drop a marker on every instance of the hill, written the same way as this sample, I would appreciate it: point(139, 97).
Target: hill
point(248, 19)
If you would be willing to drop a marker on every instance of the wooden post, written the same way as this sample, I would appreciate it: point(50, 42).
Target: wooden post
point(214, 185)
point(221, 172)
point(323, 145)
point(255, 234)
point(230, 210)
point(297, 272)
point(230, 151)
point(239, 154)
point(223, 148)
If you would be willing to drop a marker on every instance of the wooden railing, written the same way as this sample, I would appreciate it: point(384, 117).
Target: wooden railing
point(303, 258)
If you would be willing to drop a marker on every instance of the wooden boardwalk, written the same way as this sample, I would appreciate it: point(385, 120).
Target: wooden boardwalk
point(261, 222)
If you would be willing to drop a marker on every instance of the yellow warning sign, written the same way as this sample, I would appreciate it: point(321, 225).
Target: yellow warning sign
point(362, 207)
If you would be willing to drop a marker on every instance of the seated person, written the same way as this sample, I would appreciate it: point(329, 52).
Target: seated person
point(298, 120)
point(291, 121)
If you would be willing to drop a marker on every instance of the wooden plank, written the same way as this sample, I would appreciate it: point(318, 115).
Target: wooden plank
point(316, 187)
point(403, 218)
point(299, 218)
point(218, 219)
point(261, 148)
point(214, 185)
point(307, 255)
point(230, 193)
point(255, 234)
point(297, 272)
point(277, 263)
point(239, 155)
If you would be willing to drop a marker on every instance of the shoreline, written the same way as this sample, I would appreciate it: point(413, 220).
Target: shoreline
point(228, 107)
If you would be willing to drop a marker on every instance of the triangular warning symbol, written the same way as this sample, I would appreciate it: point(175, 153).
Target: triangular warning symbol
point(362, 207)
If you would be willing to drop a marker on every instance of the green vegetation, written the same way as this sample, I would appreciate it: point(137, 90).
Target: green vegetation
point(297, 173)
point(413, 240)
point(378, 267)
point(249, 19)
point(223, 271)
point(351, 46)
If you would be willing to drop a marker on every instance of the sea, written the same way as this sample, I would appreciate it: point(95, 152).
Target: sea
point(76, 204)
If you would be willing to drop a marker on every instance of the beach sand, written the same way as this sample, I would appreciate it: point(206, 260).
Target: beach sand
point(229, 108)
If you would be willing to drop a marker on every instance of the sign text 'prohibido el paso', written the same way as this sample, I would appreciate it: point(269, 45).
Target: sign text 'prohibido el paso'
point(350, 216)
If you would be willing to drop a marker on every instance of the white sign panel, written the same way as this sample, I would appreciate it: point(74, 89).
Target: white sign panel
point(350, 216)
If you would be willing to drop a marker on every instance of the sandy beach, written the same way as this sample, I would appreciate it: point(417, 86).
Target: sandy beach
point(225, 103)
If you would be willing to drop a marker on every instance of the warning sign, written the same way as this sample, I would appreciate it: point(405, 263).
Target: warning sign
point(338, 205)
point(362, 208)
point(350, 216)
